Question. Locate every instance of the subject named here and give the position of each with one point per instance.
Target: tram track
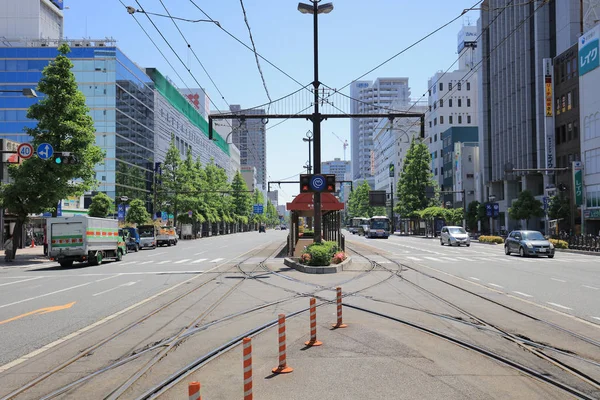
(479, 323)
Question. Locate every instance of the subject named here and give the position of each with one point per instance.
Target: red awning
(304, 202)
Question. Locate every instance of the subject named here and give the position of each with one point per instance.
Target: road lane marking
(463, 259)
(202, 252)
(46, 294)
(128, 263)
(44, 310)
(598, 318)
(199, 260)
(181, 261)
(559, 306)
(449, 259)
(434, 259)
(164, 262)
(558, 280)
(116, 287)
(222, 247)
(156, 254)
(216, 260)
(498, 286)
(146, 262)
(24, 280)
(414, 258)
(523, 294)
(105, 279)
(590, 287)
(475, 279)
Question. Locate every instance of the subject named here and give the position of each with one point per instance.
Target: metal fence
(581, 242)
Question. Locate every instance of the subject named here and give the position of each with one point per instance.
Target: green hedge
(320, 254)
(491, 239)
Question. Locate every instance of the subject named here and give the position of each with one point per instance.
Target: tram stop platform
(372, 358)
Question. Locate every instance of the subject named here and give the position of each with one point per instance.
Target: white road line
(463, 259)
(498, 286)
(202, 252)
(523, 294)
(24, 280)
(46, 294)
(222, 247)
(128, 263)
(590, 287)
(146, 262)
(558, 280)
(558, 305)
(450, 259)
(164, 262)
(199, 260)
(434, 259)
(156, 254)
(475, 279)
(596, 318)
(414, 258)
(116, 287)
(181, 261)
(105, 279)
(216, 260)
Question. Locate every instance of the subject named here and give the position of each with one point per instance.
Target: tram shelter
(303, 206)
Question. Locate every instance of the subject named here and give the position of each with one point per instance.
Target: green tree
(63, 122)
(242, 200)
(101, 206)
(216, 201)
(271, 215)
(258, 198)
(525, 207)
(473, 215)
(559, 207)
(137, 213)
(358, 203)
(168, 191)
(414, 178)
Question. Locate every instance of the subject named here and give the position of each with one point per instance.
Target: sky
(354, 38)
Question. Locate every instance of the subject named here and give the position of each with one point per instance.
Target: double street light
(315, 9)
(30, 93)
(309, 139)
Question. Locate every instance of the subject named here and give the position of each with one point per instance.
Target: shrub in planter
(305, 258)
(559, 244)
(339, 257)
(491, 239)
(319, 255)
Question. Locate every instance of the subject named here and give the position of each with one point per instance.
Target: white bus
(379, 226)
(356, 222)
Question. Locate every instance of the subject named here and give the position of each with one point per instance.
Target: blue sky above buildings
(354, 38)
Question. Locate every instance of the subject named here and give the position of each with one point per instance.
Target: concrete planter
(309, 269)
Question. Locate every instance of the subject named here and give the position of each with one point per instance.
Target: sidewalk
(27, 257)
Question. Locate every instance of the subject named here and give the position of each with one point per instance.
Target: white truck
(81, 238)
(166, 235)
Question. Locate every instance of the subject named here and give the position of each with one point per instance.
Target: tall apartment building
(249, 136)
(30, 20)
(452, 100)
(514, 123)
(371, 97)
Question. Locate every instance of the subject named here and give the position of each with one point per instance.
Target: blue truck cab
(133, 241)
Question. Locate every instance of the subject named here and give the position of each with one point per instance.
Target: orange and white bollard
(313, 324)
(194, 391)
(32, 243)
(339, 323)
(247, 342)
(283, 367)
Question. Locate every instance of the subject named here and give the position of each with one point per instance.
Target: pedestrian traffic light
(330, 183)
(305, 183)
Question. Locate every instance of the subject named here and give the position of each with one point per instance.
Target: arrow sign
(44, 310)
(45, 151)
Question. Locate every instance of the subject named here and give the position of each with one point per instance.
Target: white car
(454, 235)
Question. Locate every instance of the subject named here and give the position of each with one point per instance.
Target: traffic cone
(32, 243)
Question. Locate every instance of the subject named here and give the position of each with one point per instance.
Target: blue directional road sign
(45, 151)
(121, 211)
(317, 183)
(257, 209)
(488, 210)
(496, 210)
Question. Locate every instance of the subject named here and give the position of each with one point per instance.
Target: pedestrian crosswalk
(443, 259)
(185, 261)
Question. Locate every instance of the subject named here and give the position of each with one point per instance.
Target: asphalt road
(569, 282)
(43, 304)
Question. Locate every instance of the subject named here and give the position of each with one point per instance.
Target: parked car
(454, 235)
(528, 243)
(147, 236)
(261, 229)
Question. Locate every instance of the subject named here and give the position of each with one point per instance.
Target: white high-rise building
(30, 20)
(250, 137)
(452, 100)
(371, 97)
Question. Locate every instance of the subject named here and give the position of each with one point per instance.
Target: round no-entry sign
(25, 150)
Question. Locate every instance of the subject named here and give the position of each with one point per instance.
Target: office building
(371, 97)
(461, 164)
(337, 167)
(249, 136)
(30, 20)
(249, 174)
(452, 100)
(199, 99)
(273, 196)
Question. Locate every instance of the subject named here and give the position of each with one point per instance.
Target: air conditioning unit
(100, 44)
(44, 44)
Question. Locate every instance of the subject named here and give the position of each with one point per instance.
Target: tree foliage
(241, 198)
(137, 213)
(63, 121)
(358, 203)
(525, 207)
(101, 206)
(473, 215)
(559, 207)
(272, 216)
(414, 178)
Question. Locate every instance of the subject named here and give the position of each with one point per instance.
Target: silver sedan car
(454, 235)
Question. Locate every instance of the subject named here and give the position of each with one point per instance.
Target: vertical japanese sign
(458, 182)
(578, 182)
(589, 59)
(548, 121)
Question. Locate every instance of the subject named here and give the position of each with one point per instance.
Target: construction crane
(344, 143)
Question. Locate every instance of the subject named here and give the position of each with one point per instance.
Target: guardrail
(581, 242)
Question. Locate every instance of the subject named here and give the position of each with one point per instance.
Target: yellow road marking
(44, 310)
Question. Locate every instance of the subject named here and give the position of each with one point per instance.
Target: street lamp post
(27, 92)
(315, 9)
(309, 139)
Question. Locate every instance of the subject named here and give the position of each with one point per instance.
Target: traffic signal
(330, 183)
(305, 183)
(392, 170)
(65, 158)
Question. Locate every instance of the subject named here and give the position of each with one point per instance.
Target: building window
(435, 121)
(563, 133)
(441, 86)
(449, 85)
(459, 102)
(468, 85)
(434, 105)
(429, 108)
(570, 131)
(429, 92)
(468, 102)
(441, 119)
(430, 124)
(557, 134)
(468, 119)
(441, 102)
(557, 102)
(435, 138)
(470, 158)
(450, 119)
(460, 119)
(459, 86)
(575, 130)
(449, 102)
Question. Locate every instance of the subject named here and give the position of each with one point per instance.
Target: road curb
(308, 269)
